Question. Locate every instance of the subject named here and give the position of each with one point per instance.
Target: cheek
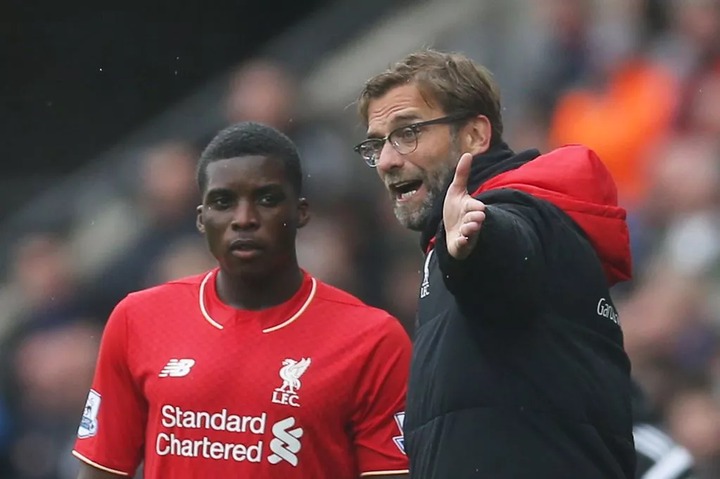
(281, 227)
(432, 154)
(213, 232)
(286, 230)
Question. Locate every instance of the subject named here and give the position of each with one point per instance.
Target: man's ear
(477, 134)
(199, 220)
(303, 212)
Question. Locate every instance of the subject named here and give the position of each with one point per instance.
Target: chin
(249, 270)
(412, 220)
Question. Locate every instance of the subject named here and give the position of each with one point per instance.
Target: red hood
(575, 180)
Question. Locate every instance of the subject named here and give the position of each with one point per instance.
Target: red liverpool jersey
(313, 388)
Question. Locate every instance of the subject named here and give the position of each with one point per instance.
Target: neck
(254, 292)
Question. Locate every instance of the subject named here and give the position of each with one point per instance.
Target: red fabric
(575, 180)
(197, 399)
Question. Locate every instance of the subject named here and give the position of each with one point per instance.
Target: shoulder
(341, 300)
(350, 312)
(172, 292)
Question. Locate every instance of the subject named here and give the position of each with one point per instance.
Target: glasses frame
(415, 127)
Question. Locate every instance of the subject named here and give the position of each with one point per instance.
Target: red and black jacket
(519, 369)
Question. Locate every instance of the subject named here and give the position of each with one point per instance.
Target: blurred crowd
(636, 80)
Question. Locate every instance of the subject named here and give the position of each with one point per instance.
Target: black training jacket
(519, 370)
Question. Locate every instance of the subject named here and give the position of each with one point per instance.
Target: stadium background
(103, 113)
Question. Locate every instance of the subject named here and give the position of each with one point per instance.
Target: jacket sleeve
(506, 267)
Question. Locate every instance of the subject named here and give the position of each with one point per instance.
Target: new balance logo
(285, 445)
(177, 368)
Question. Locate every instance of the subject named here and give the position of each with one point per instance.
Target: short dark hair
(457, 83)
(248, 139)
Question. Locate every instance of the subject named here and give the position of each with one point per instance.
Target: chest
(434, 298)
(242, 373)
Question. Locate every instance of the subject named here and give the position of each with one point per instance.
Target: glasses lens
(370, 150)
(404, 140)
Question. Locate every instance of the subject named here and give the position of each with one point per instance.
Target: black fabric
(496, 160)
(519, 370)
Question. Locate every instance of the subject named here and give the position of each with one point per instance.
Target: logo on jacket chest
(606, 310)
(425, 285)
(290, 373)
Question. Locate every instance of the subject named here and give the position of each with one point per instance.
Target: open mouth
(405, 190)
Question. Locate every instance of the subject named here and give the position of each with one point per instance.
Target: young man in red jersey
(254, 369)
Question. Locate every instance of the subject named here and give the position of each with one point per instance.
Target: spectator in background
(691, 49)
(43, 269)
(52, 290)
(265, 91)
(693, 418)
(621, 118)
(325, 247)
(565, 37)
(658, 456)
(51, 370)
(184, 257)
(165, 197)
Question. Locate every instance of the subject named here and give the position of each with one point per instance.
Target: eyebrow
(401, 118)
(262, 189)
(218, 191)
(269, 188)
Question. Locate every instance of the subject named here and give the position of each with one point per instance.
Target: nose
(389, 158)
(245, 216)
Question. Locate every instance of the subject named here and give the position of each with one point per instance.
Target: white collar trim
(292, 319)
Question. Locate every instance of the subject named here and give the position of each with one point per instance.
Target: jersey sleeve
(380, 404)
(112, 427)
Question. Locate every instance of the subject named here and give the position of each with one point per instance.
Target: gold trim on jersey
(384, 473)
(271, 329)
(202, 302)
(98, 466)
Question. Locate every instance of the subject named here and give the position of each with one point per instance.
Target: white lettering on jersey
(290, 373)
(177, 368)
(286, 444)
(173, 416)
(88, 423)
(171, 445)
(425, 286)
(176, 421)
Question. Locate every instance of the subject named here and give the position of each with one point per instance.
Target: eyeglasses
(404, 139)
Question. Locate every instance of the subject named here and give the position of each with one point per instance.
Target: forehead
(400, 104)
(243, 171)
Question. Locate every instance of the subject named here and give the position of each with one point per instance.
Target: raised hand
(463, 215)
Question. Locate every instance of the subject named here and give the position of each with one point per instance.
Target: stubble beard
(416, 217)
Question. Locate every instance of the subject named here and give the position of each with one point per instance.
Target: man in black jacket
(519, 369)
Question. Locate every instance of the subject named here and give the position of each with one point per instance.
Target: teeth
(407, 194)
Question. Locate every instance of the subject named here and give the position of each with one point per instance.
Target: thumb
(462, 173)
